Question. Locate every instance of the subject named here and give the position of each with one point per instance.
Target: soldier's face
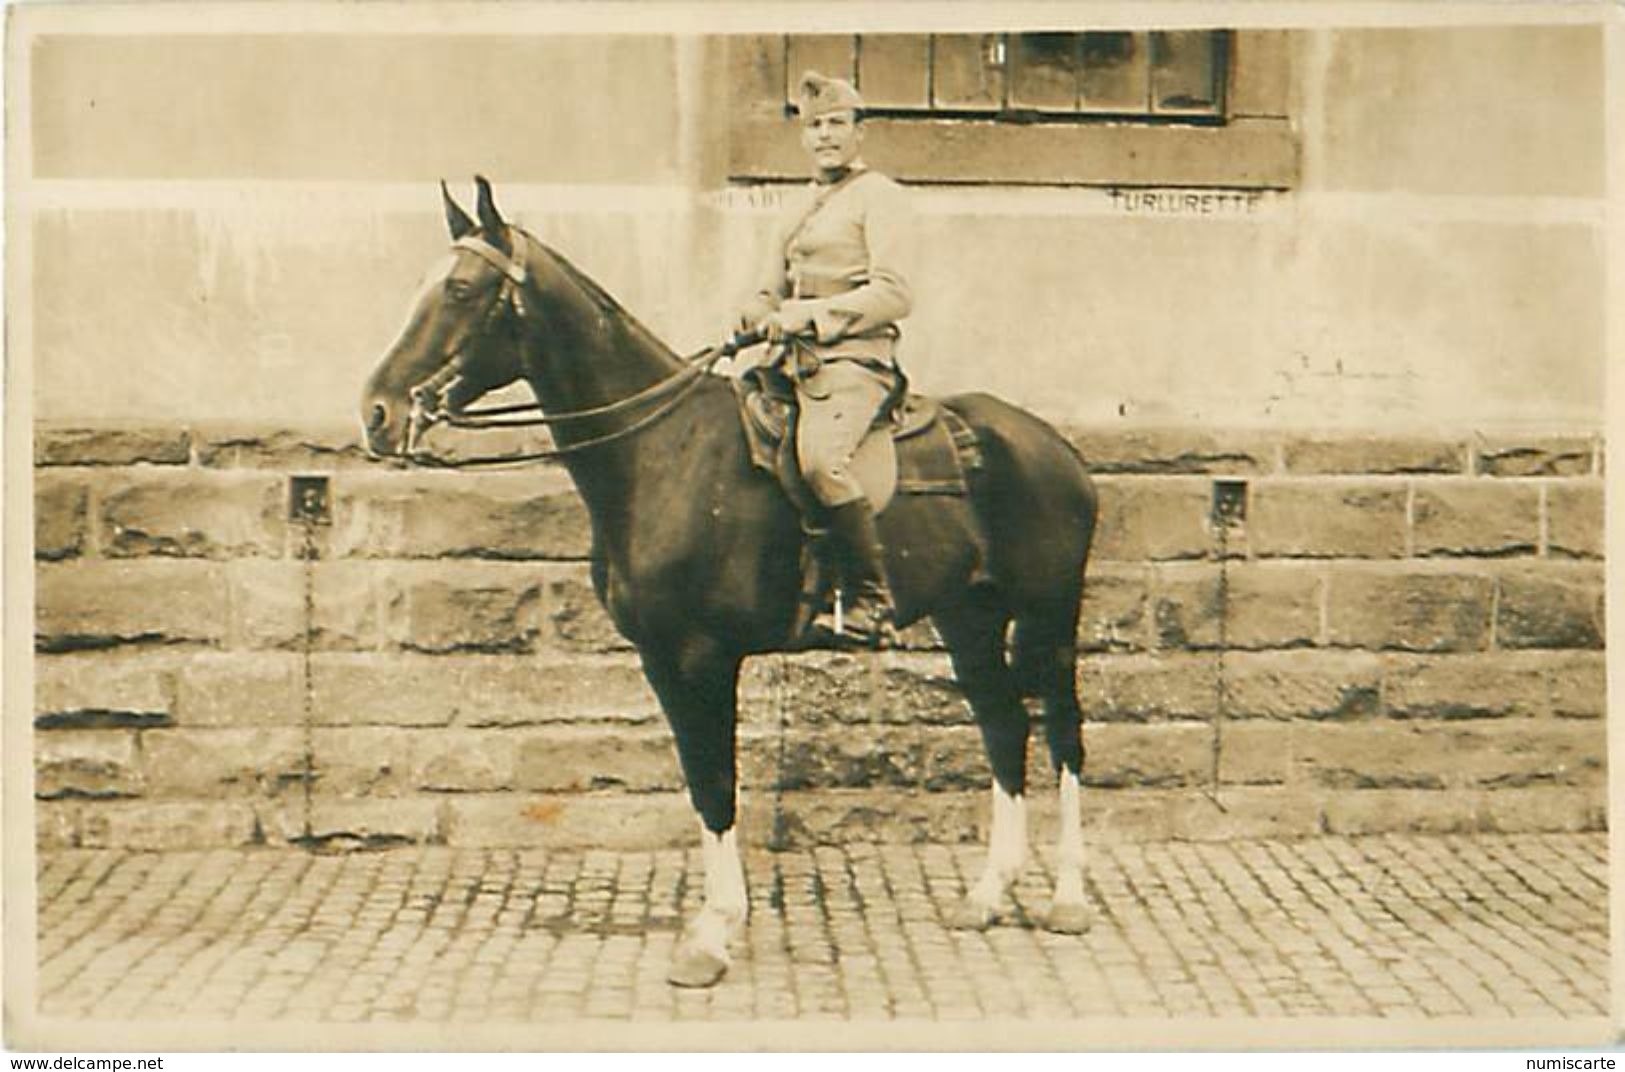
(832, 139)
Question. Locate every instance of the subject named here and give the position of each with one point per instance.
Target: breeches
(838, 405)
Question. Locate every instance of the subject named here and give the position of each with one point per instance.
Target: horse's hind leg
(1046, 655)
(975, 639)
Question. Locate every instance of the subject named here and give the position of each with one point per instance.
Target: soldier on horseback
(829, 300)
(700, 582)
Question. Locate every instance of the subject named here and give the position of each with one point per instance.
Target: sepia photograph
(804, 527)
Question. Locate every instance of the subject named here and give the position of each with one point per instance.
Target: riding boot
(869, 616)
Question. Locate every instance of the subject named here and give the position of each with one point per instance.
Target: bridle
(430, 398)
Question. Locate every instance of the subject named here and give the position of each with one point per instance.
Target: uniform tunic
(844, 263)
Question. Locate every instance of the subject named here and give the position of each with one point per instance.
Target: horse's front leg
(697, 683)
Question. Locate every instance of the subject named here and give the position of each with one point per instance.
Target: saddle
(917, 446)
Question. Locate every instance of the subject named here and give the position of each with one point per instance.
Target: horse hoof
(1069, 919)
(696, 968)
(969, 915)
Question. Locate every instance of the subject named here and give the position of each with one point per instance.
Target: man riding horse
(829, 300)
(699, 582)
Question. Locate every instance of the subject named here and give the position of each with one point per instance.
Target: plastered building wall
(247, 252)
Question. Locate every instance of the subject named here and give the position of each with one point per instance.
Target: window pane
(1184, 71)
(828, 54)
(967, 71)
(1116, 72)
(1044, 71)
(893, 70)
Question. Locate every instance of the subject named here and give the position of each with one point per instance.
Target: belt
(822, 286)
(800, 357)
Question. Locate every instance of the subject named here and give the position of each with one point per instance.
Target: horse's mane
(600, 297)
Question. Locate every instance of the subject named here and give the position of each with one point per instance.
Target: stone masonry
(1400, 635)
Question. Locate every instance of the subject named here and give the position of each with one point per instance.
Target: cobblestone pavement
(1399, 926)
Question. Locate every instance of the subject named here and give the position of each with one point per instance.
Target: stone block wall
(1399, 634)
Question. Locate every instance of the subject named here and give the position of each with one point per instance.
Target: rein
(484, 417)
(429, 407)
(679, 385)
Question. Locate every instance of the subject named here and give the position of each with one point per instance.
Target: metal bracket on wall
(1229, 503)
(309, 504)
(1228, 513)
(309, 500)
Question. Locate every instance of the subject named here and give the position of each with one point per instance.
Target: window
(1199, 108)
(1024, 77)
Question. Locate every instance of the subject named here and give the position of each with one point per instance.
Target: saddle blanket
(934, 445)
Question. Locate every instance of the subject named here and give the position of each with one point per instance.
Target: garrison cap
(817, 94)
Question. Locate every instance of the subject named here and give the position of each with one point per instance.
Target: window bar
(1150, 44)
(1001, 56)
(1077, 73)
(784, 65)
(994, 63)
(930, 72)
(1220, 41)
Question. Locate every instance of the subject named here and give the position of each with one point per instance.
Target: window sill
(1245, 153)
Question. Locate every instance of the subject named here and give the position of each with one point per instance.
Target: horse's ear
(456, 219)
(492, 228)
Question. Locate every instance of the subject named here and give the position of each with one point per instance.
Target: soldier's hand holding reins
(742, 340)
(786, 321)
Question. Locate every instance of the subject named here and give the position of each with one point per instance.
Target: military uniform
(839, 263)
(839, 258)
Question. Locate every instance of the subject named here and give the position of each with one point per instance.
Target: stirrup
(872, 629)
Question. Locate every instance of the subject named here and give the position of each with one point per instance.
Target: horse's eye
(459, 289)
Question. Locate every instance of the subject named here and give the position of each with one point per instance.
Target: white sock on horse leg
(1006, 848)
(724, 873)
(1069, 844)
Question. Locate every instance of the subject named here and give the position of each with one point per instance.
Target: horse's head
(462, 338)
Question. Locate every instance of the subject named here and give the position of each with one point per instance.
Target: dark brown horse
(696, 554)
